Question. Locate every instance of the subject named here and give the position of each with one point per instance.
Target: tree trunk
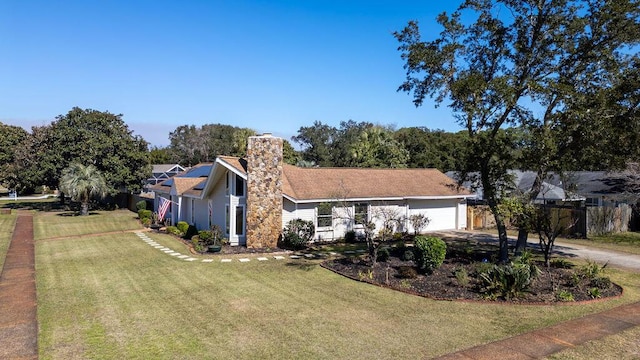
(521, 244)
(84, 209)
(504, 240)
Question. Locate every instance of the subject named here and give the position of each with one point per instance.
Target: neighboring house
(599, 197)
(252, 199)
(162, 172)
(595, 188)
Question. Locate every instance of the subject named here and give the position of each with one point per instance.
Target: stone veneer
(264, 191)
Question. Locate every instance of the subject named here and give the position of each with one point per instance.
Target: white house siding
(443, 214)
(462, 215)
(288, 211)
(379, 212)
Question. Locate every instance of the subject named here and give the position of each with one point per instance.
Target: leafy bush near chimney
(297, 234)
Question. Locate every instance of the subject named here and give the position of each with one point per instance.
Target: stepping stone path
(178, 255)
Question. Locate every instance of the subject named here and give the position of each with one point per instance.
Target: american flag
(163, 206)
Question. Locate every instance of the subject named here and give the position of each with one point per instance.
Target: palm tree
(83, 182)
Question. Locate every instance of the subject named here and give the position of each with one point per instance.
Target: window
(592, 201)
(361, 213)
(325, 216)
(226, 176)
(239, 186)
(239, 220)
(227, 219)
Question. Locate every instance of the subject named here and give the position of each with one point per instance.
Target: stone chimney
(264, 191)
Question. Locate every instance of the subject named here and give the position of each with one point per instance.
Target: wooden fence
(574, 221)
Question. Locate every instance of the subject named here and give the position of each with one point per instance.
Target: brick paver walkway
(18, 321)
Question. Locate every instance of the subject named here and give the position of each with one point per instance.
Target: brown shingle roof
(357, 183)
(346, 183)
(183, 184)
(237, 163)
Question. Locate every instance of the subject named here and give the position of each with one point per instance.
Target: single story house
(252, 199)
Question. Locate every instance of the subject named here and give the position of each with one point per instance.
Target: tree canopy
(540, 65)
(86, 136)
(191, 144)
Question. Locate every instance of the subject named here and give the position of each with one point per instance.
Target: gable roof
(368, 183)
(163, 168)
(321, 184)
(185, 181)
(573, 186)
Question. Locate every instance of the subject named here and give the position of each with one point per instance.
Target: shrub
(191, 232)
(407, 272)
(383, 254)
(297, 234)
(429, 253)
(462, 276)
(141, 205)
(561, 264)
(350, 237)
(197, 244)
(482, 267)
(144, 214)
(408, 255)
(601, 282)
(592, 270)
(507, 281)
(183, 226)
(594, 293)
(564, 295)
(146, 222)
(174, 230)
(206, 237)
(419, 222)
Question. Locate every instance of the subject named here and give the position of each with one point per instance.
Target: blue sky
(268, 65)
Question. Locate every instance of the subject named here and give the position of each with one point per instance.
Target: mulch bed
(443, 284)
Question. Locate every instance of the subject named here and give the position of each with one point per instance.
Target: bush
(564, 295)
(383, 254)
(183, 226)
(561, 264)
(429, 253)
(191, 232)
(297, 234)
(141, 205)
(197, 244)
(601, 282)
(407, 272)
(350, 237)
(462, 276)
(174, 230)
(206, 237)
(144, 214)
(507, 281)
(408, 255)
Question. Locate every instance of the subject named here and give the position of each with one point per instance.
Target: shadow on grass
(75, 213)
(302, 266)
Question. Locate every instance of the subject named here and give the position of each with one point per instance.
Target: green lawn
(113, 296)
(7, 223)
(622, 346)
(59, 224)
